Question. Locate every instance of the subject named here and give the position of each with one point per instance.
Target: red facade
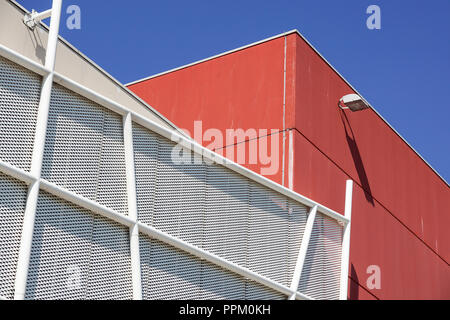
(400, 205)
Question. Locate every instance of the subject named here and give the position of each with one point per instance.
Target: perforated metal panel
(146, 146)
(321, 271)
(84, 149)
(227, 215)
(298, 215)
(12, 207)
(217, 209)
(269, 234)
(19, 99)
(77, 255)
(169, 273)
(178, 189)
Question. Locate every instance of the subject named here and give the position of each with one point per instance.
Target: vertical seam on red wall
(291, 109)
(284, 114)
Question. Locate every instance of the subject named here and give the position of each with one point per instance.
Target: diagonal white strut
(303, 250)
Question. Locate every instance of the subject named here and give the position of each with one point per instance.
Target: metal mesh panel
(256, 291)
(19, 100)
(321, 271)
(12, 206)
(268, 235)
(169, 273)
(178, 189)
(77, 255)
(227, 215)
(217, 209)
(298, 215)
(145, 145)
(84, 149)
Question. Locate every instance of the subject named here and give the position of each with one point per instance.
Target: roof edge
(214, 57)
(117, 82)
(322, 57)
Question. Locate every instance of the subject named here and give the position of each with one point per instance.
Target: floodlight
(352, 102)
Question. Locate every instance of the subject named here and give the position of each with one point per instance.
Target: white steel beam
(16, 173)
(23, 61)
(346, 242)
(37, 157)
(303, 250)
(132, 206)
(85, 203)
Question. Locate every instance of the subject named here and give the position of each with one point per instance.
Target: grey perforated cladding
(217, 209)
(19, 99)
(84, 149)
(77, 255)
(321, 271)
(169, 273)
(177, 190)
(12, 207)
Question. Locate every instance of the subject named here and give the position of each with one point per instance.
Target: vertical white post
(346, 241)
(132, 206)
(37, 157)
(302, 252)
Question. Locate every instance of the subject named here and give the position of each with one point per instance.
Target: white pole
(37, 157)
(303, 250)
(346, 241)
(132, 206)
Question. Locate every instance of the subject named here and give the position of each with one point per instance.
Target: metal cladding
(117, 218)
(400, 204)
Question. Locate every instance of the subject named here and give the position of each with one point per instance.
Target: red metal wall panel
(409, 269)
(400, 206)
(239, 90)
(371, 153)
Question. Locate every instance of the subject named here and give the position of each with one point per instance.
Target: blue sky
(403, 70)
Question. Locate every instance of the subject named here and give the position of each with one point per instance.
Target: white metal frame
(35, 182)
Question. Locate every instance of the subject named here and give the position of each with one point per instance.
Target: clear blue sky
(403, 70)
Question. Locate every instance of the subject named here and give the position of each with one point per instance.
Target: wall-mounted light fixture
(352, 102)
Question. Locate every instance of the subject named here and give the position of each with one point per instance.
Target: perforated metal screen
(20, 90)
(78, 253)
(13, 195)
(320, 276)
